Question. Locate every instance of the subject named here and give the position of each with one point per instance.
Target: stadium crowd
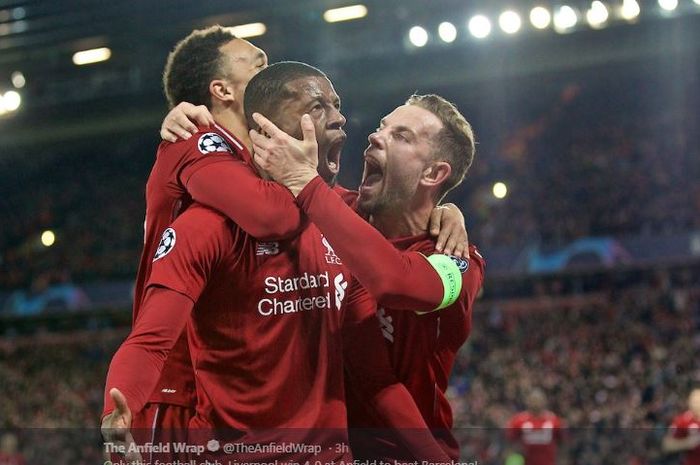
(616, 367)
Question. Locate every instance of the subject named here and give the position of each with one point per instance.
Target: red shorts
(162, 425)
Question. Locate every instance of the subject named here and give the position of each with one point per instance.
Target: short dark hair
(267, 88)
(193, 64)
(454, 143)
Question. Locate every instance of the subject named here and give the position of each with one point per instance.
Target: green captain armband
(451, 278)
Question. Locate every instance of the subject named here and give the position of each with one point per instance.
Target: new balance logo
(267, 248)
(340, 286)
(386, 323)
(331, 257)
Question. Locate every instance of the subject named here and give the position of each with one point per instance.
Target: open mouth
(373, 172)
(333, 155)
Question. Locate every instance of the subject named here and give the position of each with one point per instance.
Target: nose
(375, 139)
(336, 119)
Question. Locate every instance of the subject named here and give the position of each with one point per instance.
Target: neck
(410, 220)
(235, 124)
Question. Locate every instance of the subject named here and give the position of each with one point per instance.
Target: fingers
(120, 404)
(308, 129)
(259, 140)
(442, 238)
(168, 135)
(451, 245)
(202, 116)
(267, 126)
(435, 220)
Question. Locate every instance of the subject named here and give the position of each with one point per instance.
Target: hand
(287, 160)
(115, 427)
(447, 224)
(179, 124)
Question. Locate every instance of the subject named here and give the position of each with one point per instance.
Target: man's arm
(136, 367)
(220, 180)
(397, 279)
(369, 373)
(401, 280)
(264, 209)
(180, 273)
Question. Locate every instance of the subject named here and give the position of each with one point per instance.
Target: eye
(400, 136)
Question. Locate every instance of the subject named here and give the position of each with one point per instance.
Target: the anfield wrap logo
(330, 294)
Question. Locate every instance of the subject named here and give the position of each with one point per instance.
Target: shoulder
(207, 141)
(200, 220)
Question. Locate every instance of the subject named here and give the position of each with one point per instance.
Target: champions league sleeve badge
(166, 244)
(461, 263)
(212, 142)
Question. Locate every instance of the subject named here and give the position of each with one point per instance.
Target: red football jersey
(684, 425)
(422, 349)
(224, 165)
(265, 330)
(539, 435)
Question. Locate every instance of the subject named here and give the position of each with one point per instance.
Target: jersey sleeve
(396, 279)
(370, 375)
(137, 364)
(187, 253)
(223, 180)
(189, 250)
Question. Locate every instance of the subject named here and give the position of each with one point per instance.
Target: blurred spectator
(9, 452)
(47, 295)
(537, 430)
(684, 435)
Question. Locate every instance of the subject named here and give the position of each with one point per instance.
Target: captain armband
(451, 277)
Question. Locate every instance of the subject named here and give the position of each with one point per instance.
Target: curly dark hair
(193, 64)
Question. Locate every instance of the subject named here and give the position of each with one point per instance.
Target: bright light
(11, 100)
(510, 22)
(479, 26)
(565, 18)
(629, 10)
(447, 32)
(597, 15)
(500, 190)
(697, 2)
(540, 17)
(3, 110)
(18, 80)
(94, 55)
(244, 31)
(346, 13)
(668, 5)
(418, 36)
(48, 238)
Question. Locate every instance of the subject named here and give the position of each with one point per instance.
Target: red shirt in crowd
(539, 435)
(684, 425)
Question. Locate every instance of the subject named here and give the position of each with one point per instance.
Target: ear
(435, 174)
(221, 90)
